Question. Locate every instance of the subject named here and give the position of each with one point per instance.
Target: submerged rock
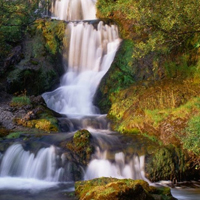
(119, 189)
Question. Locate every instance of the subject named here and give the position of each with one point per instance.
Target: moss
(20, 101)
(167, 163)
(53, 33)
(81, 147)
(112, 188)
(120, 76)
(38, 117)
(14, 135)
(166, 103)
(191, 139)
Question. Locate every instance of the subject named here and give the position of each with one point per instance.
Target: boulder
(119, 189)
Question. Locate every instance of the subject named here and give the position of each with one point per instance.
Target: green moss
(53, 33)
(81, 147)
(14, 135)
(20, 101)
(112, 188)
(191, 140)
(162, 165)
(167, 163)
(119, 76)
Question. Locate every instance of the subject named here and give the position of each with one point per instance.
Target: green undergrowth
(119, 76)
(53, 33)
(169, 111)
(168, 163)
(191, 138)
(20, 101)
(14, 135)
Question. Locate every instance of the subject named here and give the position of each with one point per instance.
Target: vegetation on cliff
(15, 17)
(160, 95)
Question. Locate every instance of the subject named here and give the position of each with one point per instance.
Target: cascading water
(20, 163)
(134, 169)
(72, 10)
(91, 52)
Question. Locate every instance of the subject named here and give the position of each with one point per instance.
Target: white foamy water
(72, 10)
(30, 184)
(17, 162)
(102, 167)
(90, 54)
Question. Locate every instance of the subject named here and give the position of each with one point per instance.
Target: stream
(40, 169)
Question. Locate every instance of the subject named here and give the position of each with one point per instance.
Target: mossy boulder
(31, 112)
(119, 189)
(167, 163)
(41, 65)
(81, 147)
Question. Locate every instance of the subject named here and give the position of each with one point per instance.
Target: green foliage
(38, 46)
(191, 140)
(53, 33)
(167, 163)
(20, 101)
(180, 67)
(121, 74)
(34, 81)
(15, 17)
(162, 165)
(157, 25)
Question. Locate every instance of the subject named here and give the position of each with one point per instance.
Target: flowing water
(41, 170)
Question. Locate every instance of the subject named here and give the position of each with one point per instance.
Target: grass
(20, 101)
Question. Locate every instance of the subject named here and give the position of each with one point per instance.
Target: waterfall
(118, 168)
(72, 10)
(90, 54)
(17, 162)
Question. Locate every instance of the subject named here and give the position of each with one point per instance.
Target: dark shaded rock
(13, 58)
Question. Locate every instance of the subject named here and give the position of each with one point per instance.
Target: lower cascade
(50, 166)
(20, 163)
(134, 169)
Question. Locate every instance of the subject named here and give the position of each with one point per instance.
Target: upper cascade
(88, 52)
(88, 57)
(73, 10)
